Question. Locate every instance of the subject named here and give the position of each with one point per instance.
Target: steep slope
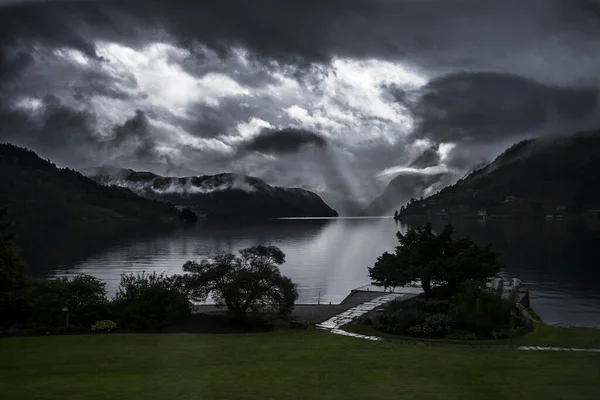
(47, 202)
(534, 177)
(407, 184)
(400, 190)
(221, 196)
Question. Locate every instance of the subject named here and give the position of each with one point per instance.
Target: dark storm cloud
(544, 55)
(434, 34)
(239, 65)
(134, 138)
(51, 23)
(284, 141)
(54, 130)
(208, 121)
(11, 62)
(479, 107)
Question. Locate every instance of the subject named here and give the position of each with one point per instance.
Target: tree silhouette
(249, 282)
(13, 276)
(433, 260)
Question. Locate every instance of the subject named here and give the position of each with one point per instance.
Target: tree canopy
(13, 276)
(248, 282)
(434, 259)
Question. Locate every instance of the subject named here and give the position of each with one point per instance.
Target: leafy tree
(249, 282)
(434, 260)
(149, 301)
(84, 295)
(13, 277)
(396, 214)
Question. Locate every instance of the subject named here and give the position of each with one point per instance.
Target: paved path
(335, 323)
(347, 316)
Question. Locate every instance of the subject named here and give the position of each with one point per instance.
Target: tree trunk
(426, 285)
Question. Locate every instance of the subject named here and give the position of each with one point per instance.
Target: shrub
(83, 295)
(501, 333)
(428, 306)
(437, 306)
(480, 324)
(104, 326)
(150, 301)
(480, 311)
(366, 319)
(13, 277)
(461, 335)
(417, 302)
(434, 326)
(399, 321)
(398, 305)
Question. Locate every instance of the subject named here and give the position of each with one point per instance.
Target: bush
(150, 301)
(399, 305)
(437, 306)
(480, 311)
(365, 319)
(461, 335)
(104, 326)
(478, 323)
(428, 306)
(434, 326)
(399, 321)
(83, 295)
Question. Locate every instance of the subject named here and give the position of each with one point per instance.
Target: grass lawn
(543, 335)
(283, 364)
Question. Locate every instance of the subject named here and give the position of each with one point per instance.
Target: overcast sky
(337, 96)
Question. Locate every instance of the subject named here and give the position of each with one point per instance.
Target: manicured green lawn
(543, 335)
(282, 365)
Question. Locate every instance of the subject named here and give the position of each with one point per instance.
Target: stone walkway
(347, 316)
(334, 324)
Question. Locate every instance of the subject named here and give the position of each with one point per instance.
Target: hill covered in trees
(399, 190)
(47, 202)
(219, 196)
(538, 177)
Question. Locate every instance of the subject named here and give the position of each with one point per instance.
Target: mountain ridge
(224, 195)
(543, 177)
(46, 200)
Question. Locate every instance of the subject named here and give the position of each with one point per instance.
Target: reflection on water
(329, 257)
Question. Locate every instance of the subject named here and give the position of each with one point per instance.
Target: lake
(327, 258)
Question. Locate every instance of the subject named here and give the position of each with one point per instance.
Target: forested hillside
(46, 201)
(550, 176)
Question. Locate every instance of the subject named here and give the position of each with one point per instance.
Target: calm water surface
(329, 257)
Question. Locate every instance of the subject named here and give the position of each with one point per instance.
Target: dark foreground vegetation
(250, 286)
(457, 302)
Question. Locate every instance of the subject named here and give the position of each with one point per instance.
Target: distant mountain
(407, 184)
(47, 202)
(541, 177)
(400, 190)
(220, 196)
(156, 168)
